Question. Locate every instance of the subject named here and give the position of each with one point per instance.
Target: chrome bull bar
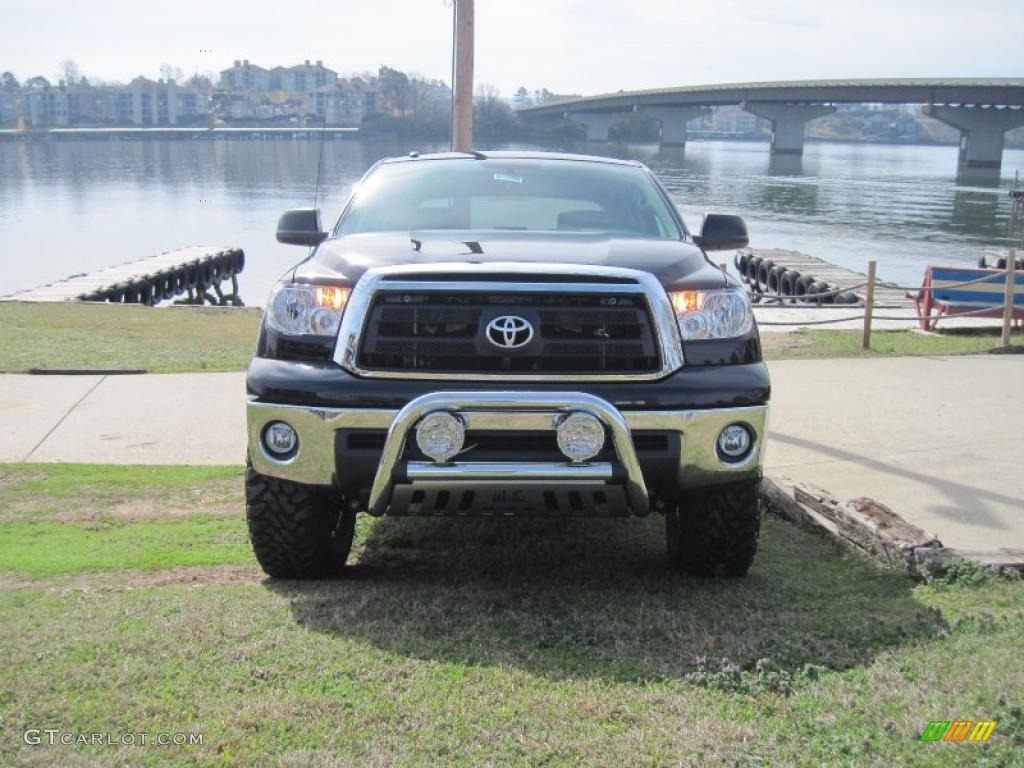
(513, 411)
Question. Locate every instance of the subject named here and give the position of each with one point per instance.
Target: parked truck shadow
(594, 598)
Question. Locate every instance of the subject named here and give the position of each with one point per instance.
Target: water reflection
(785, 165)
(979, 177)
(105, 202)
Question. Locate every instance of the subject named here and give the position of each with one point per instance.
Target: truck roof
(511, 154)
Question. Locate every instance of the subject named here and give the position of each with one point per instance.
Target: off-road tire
(713, 531)
(297, 531)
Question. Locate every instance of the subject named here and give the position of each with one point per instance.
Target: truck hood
(675, 263)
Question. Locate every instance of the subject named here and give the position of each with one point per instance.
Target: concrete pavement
(937, 439)
(940, 440)
(171, 418)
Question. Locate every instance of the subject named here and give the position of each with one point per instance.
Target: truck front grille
(439, 332)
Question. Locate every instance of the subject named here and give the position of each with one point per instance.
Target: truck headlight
(297, 309)
(715, 314)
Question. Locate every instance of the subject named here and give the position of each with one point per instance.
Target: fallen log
(863, 525)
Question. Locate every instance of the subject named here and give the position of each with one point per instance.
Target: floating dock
(192, 272)
(780, 276)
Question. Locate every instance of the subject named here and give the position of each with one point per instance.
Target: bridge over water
(982, 109)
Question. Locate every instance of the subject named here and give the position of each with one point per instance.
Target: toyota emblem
(509, 332)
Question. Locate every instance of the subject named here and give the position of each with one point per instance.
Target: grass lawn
(474, 642)
(164, 340)
(810, 343)
(182, 339)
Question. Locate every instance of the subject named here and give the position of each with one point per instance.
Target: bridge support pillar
(597, 123)
(982, 130)
(788, 122)
(673, 122)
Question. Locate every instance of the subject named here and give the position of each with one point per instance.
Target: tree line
(409, 104)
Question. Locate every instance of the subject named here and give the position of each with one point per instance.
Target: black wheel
(753, 265)
(787, 284)
(297, 531)
(815, 291)
(740, 261)
(763, 270)
(713, 531)
(802, 287)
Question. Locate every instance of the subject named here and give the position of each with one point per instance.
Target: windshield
(510, 194)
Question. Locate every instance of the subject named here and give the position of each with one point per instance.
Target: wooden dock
(775, 275)
(191, 272)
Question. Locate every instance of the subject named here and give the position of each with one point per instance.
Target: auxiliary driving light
(734, 442)
(580, 436)
(280, 439)
(440, 435)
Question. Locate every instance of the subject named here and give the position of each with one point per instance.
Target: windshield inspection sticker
(506, 177)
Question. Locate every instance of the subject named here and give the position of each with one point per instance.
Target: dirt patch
(123, 581)
(9, 479)
(220, 498)
(774, 341)
(148, 509)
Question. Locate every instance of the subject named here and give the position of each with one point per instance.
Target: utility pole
(462, 87)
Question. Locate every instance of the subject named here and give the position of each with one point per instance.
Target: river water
(73, 206)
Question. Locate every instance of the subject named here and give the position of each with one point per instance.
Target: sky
(566, 46)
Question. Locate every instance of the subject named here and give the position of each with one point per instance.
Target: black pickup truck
(506, 333)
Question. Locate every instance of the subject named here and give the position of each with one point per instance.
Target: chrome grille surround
(420, 278)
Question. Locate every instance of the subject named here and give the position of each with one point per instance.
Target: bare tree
(487, 93)
(68, 72)
(202, 81)
(171, 72)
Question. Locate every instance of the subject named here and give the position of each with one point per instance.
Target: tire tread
(714, 531)
(295, 530)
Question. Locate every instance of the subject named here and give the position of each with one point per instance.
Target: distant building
(148, 102)
(244, 76)
(344, 103)
(8, 108)
(302, 77)
(732, 119)
(254, 106)
(58, 106)
(45, 107)
(118, 106)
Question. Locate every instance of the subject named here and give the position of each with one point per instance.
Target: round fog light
(440, 435)
(734, 442)
(279, 438)
(580, 436)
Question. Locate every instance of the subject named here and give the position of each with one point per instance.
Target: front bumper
(398, 484)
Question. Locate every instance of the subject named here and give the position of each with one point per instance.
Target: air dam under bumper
(397, 480)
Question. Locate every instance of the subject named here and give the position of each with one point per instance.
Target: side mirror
(300, 226)
(720, 232)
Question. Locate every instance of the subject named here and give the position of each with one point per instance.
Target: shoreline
(173, 132)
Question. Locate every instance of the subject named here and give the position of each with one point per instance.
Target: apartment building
(347, 102)
(8, 109)
(302, 77)
(142, 102)
(244, 76)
